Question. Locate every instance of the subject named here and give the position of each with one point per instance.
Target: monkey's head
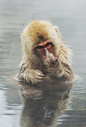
(38, 36)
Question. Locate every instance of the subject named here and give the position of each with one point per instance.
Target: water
(70, 16)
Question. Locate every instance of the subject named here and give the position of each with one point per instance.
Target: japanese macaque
(45, 57)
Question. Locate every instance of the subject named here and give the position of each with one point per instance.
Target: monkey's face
(43, 32)
(42, 47)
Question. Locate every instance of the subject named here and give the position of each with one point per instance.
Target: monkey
(46, 58)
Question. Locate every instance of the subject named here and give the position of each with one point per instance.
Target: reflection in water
(42, 107)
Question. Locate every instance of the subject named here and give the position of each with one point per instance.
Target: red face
(40, 48)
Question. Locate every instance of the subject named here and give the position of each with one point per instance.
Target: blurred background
(70, 17)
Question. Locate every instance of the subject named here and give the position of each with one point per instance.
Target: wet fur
(33, 68)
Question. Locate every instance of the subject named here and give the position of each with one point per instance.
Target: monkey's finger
(40, 75)
(52, 57)
(39, 78)
(47, 53)
(37, 71)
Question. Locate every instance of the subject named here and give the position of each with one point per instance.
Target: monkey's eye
(39, 48)
(48, 45)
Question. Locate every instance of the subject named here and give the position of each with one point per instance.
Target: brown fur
(33, 68)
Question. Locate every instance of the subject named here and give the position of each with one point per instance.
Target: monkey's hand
(53, 65)
(30, 75)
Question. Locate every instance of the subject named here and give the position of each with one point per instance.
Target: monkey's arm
(67, 74)
(30, 75)
(62, 71)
